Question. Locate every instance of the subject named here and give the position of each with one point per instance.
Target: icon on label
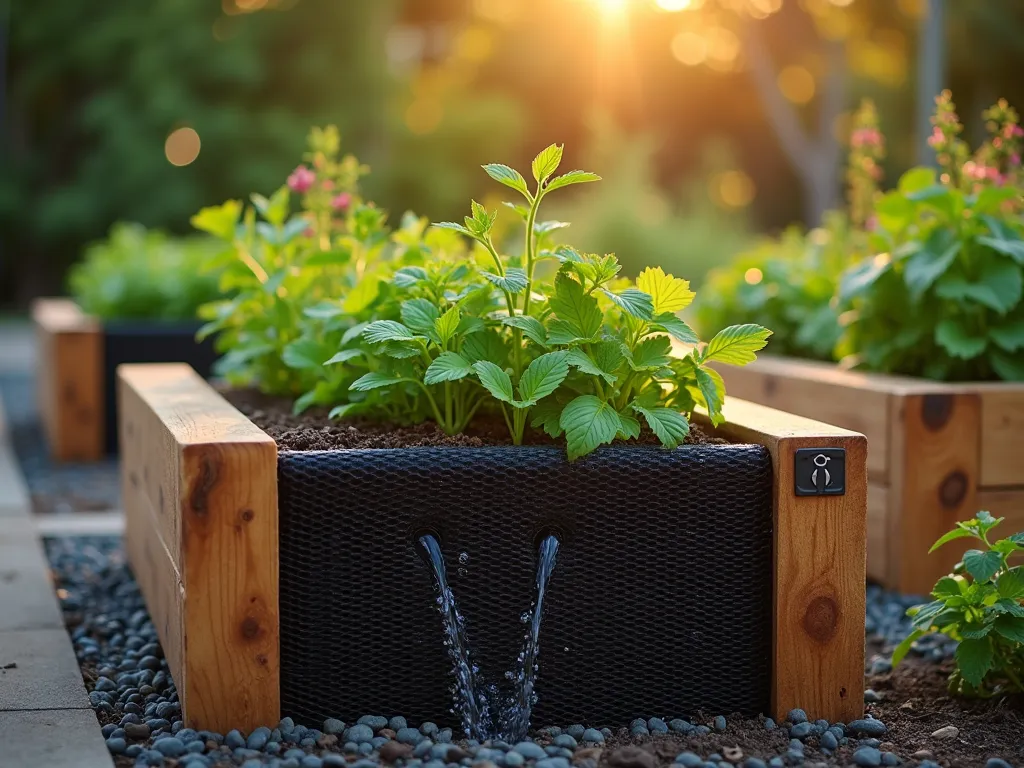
(823, 478)
(820, 472)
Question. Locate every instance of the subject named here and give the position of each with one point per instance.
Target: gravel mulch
(911, 720)
(56, 488)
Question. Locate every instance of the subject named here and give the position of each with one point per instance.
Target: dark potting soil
(313, 431)
(116, 644)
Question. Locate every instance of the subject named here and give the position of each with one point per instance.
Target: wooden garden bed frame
(938, 454)
(70, 379)
(200, 498)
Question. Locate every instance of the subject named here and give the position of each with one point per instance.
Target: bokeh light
(732, 189)
(674, 5)
(753, 276)
(797, 84)
(182, 146)
(423, 115)
(690, 48)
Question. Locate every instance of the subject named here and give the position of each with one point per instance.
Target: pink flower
(936, 138)
(1015, 159)
(301, 179)
(327, 185)
(342, 201)
(866, 137)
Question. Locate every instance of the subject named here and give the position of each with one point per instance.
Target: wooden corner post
(70, 349)
(819, 566)
(199, 483)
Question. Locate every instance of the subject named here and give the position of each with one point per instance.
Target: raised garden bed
(938, 453)
(269, 574)
(78, 357)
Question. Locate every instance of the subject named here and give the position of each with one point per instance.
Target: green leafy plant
(943, 296)
(981, 605)
(140, 274)
(548, 337)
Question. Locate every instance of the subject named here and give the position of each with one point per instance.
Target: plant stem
(449, 423)
(508, 423)
(531, 245)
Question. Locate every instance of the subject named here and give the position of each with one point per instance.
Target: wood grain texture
(70, 379)
(1008, 503)
(200, 493)
(935, 441)
(854, 401)
(1002, 436)
(819, 554)
(878, 533)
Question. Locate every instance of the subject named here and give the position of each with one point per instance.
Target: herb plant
(548, 337)
(982, 606)
(140, 274)
(943, 297)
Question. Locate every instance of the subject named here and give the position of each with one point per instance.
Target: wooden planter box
(78, 357)
(938, 454)
(218, 524)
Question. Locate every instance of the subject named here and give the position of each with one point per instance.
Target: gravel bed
(132, 692)
(56, 488)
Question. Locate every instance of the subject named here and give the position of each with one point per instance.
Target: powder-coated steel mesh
(148, 342)
(660, 602)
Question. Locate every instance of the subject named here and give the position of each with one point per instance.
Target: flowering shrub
(142, 274)
(942, 297)
(982, 606)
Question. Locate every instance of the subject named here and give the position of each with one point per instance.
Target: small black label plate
(820, 472)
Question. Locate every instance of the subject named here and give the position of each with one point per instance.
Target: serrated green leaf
(546, 415)
(494, 379)
(903, 648)
(447, 324)
(633, 301)
(324, 310)
(1009, 367)
(448, 366)
(547, 162)
(712, 392)
(861, 276)
(1010, 584)
(974, 657)
(629, 428)
(588, 422)
(651, 354)
(948, 586)
(343, 356)
(387, 330)
(668, 293)
(374, 380)
(339, 411)
(675, 327)
(956, 533)
(507, 176)
(578, 314)
(975, 631)
(303, 354)
(931, 261)
(572, 177)
(363, 295)
(952, 337)
(982, 565)
(1008, 606)
(419, 315)
(1003, 240)
(531, 327)
(1010, 627)
(579, 359)
(454, 226)
(219, 220)
(543, 376)
(400, 350)
(1009, 335)
(1017, 538)
(998, 287)
(486, 345)
(670, 426)
(514, 280)
(407, 277)
(737, 344)
(544, 227)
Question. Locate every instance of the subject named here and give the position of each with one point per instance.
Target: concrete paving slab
(27, 599)
(52, 739)
(81, 524)
(38, 670)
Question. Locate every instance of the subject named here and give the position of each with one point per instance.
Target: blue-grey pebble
(333, 760)
(871, 696)
(295, 752)
(252, 762)
(553, 762)
(997, 762)
(769, 724)
(409, 736)
(593, 736)
(702, 730)
(196, 746)
(234, 739)
(552, 750)
(380, 741)
(444, 735)
(423, 748)
(869, 743)
(796, 716)
(376, 722)
(719, 723)
(309, 741)
(576, 731)
(364, 763)
(881, 666)
(638, 721)
(311, 761)
(428, 728)
(360, 734)
(754, 762)
(866, 727)
(170, 747)
(639, 730)
(678, 725)
(397, 723)
(287, 725)
(116, 745)
(512, 759)
(867, 757)
(890, 759)
(801, 730)
(568, 742)
(332, 726)
(530, 750)
(689, 760)
(366, 748)
(714, 757)
(107, 729)
(657, 725)
(776, 762)
(828, 740)
(258, 738)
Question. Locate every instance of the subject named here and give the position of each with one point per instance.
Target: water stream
(473, 699)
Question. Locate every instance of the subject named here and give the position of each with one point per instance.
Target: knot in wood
(936, 411)
(953, 489)
(203, 484)
(250, 628)
(821, 618)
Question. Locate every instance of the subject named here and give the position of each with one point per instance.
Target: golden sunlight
(612, 7)
(673, 5)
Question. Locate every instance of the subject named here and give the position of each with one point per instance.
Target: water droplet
(464, 557)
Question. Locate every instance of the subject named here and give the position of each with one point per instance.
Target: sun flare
(612, 7)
